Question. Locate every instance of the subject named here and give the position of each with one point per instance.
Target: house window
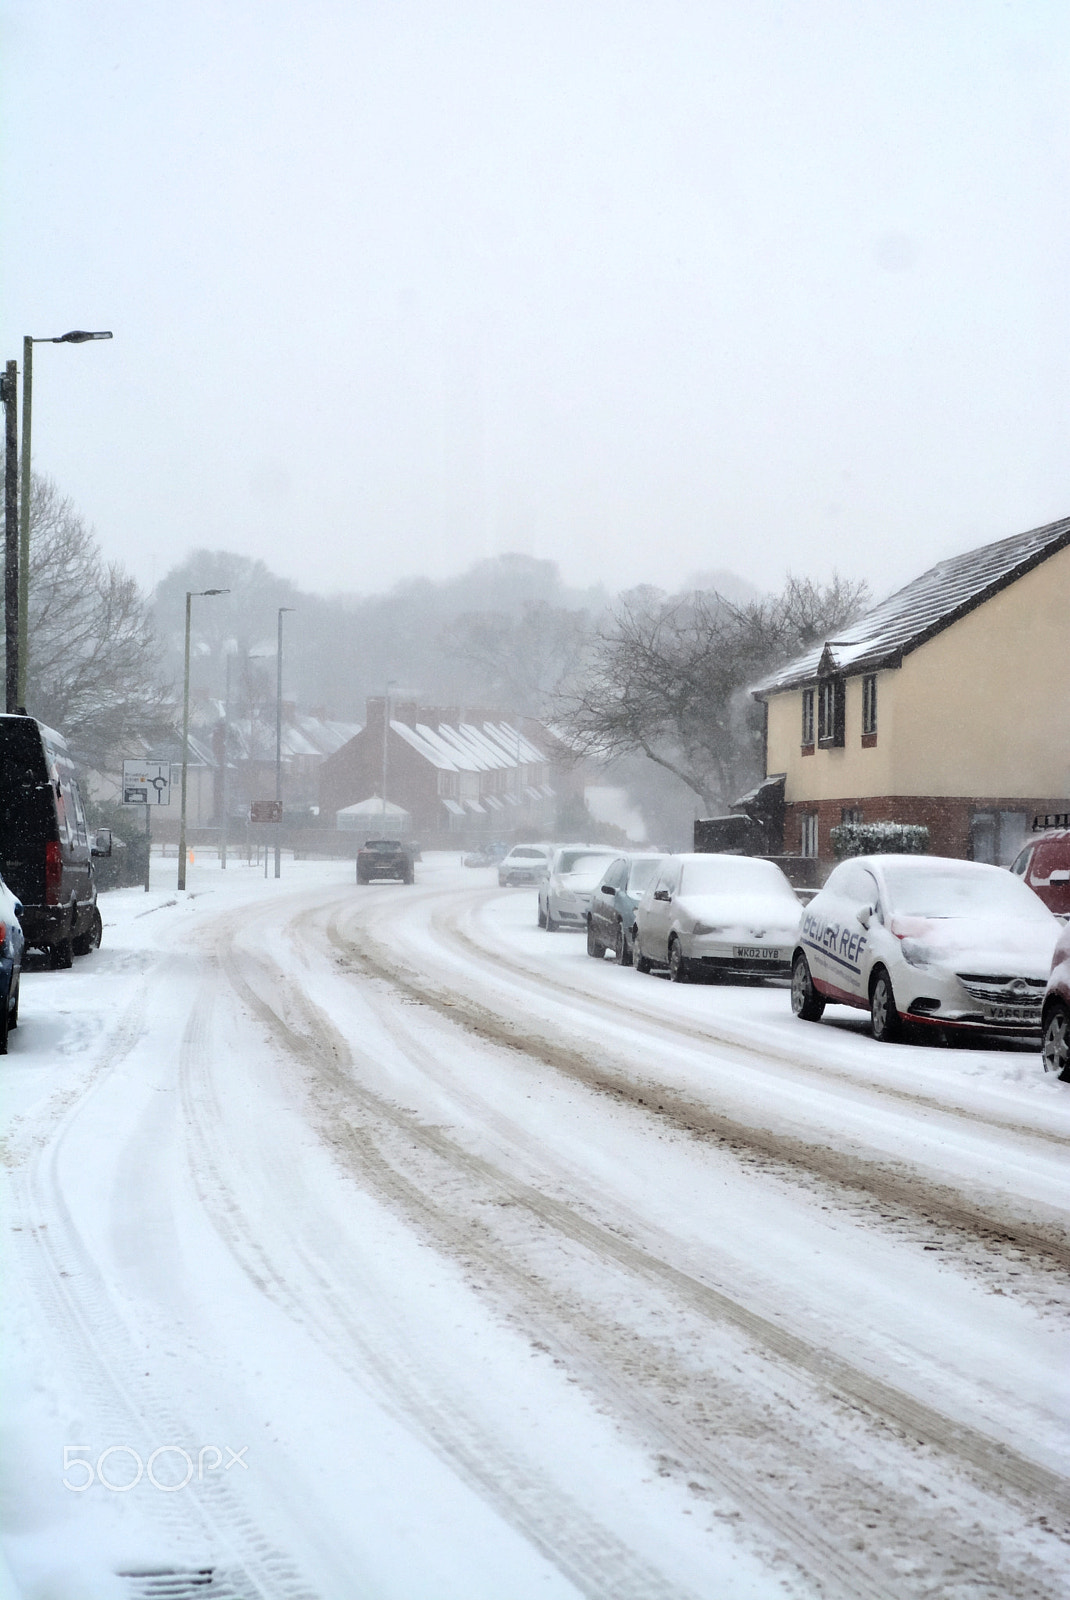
(808, 833)
(869, 706)
(830, 712)
(808, 719)
(851, 814)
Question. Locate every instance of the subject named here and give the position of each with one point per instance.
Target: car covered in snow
(575, 872)
(924, 944)
(11, 948)
(717, 916)
(1044, 864)
(385, 858)
(1055, 1018)
(525, 863)
(611, 917)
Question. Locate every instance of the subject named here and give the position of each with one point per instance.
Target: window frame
(869, 709)
(830, 713)
(808, 725)
(809, 837)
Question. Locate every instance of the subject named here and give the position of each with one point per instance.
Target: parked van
(46, 855)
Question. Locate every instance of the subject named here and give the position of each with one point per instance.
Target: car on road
(12, 944)
(575, 872)
(611, 917)
(46, 851)
(925, 944)
(525, 863)
(1055, 1015)
(717, 916)
(384, 858)
(1044, 864)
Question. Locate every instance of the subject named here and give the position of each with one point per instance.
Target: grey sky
(640, 288)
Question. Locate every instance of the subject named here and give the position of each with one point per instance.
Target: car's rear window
(527, 855)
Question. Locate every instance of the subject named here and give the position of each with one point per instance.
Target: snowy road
(447, 1262)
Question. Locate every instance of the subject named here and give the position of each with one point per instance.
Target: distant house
(948, 704)
(458, 775)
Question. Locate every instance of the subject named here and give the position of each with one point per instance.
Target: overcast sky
(642, 288)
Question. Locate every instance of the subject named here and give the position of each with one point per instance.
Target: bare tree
(669, 678)
(517, 661)
(92, 668)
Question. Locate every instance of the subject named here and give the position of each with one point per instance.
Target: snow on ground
(459, 1264)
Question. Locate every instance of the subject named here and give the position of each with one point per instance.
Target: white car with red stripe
(925, 943)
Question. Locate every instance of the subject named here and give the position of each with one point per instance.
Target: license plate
(1013, 1014)
(755, 952)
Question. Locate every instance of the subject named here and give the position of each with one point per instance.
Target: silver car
(717, 916)
(575, 873)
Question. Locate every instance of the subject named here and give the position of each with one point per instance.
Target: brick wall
(947, 818)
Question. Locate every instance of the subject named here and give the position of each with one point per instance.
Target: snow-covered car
(925, 943)
(1055, 1018)
(525, 863)
(709, 915)
(1044, 864)
(611, 917)
(575, 872)
(12, 945)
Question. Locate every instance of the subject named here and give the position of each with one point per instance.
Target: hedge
(879, 839)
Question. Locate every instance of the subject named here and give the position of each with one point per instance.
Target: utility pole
(11, 535)
(278, 750)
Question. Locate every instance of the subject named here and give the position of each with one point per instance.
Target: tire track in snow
(591, 1556)
(879, 1181)
(319, 1046)
(80, 1321)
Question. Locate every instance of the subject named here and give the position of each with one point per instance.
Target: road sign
(265, 811)
(146, 783)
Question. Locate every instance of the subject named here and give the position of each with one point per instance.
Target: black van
(46, 856)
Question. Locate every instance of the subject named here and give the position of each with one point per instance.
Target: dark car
(1055, 1017)
(384, 858)
(46, 854)
(1044, 864)
(611, 917)
(11, 947)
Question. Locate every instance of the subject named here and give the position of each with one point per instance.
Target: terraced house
(948, 705)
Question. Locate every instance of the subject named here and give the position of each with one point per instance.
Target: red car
(1055, 1017)
(1044, 864)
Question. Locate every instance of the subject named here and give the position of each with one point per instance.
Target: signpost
(266, 812)
(148, 784)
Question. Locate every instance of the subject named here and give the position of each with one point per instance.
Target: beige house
(948, 705)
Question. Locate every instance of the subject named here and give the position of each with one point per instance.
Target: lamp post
(190, 593)
(76, 336)
(278, 746)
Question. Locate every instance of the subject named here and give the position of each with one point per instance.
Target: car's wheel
(13, 1014)
(805, 1000)
(5, 1023)
(594, 948)
(542, 916)
(640, 962)
(551, 924)
(622, 949)
(679, 969)
(61, 956)
(887, 1025)
(88, 941)
(1056, 1046)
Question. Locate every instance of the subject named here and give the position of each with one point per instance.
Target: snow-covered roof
(468, 748)
(924, 608)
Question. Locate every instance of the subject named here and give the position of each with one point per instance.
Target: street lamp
(190, 593)
(76, 336)
(278, 747)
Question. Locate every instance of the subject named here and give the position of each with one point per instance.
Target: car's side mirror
(102, 842)
(607, 888)
(662, 894)
(865, 915)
